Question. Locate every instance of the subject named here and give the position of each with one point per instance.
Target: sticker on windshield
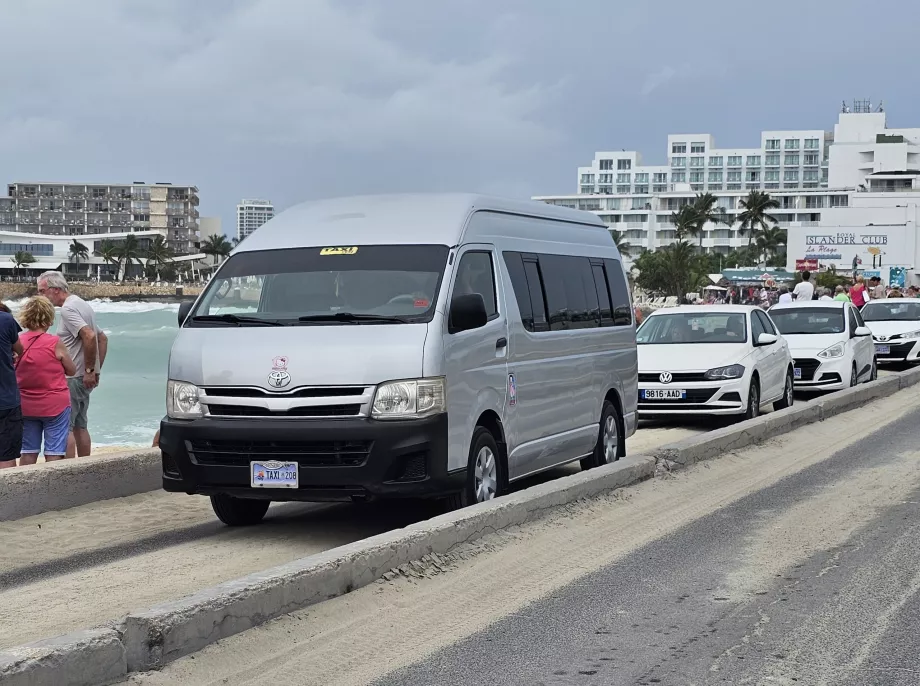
(339, 251)
(421, 302)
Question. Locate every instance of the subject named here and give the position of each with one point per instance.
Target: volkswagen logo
(279, 379)
(665, 377)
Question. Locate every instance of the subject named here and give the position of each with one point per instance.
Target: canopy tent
(714, 288)
(757, 276)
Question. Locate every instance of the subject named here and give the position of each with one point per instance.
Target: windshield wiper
(235, 319)
(350, 317)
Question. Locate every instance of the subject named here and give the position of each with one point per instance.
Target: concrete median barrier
(47, 486)
(909, 378)
(151, 638)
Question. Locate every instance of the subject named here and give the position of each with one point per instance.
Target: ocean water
(131, 399)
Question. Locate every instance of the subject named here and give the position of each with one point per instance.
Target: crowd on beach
(46, 379)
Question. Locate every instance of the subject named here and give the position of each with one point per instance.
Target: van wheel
(485, 472)
(788, 394)
(238, 511)
(611, 444)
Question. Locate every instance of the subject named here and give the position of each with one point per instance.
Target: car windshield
(686, 327)
(808, 320)
(895, 311)
(369, 284)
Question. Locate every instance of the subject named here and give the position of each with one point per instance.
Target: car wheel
(238, 511)
(611, 445)
(753, 406)
(788, 394)
(485, 475)
(873, 375)
(854, 376)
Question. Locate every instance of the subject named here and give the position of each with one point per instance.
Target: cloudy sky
(298, 99)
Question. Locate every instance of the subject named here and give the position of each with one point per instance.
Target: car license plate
(665, 394)
(796, 373)
(273, 474)
(883, 350)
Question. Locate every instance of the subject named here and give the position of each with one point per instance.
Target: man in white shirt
(825, 295)
(805, 289)
(784, 295)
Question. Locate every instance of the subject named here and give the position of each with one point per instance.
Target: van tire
(239, 511)
(609, 432)
(479, 465)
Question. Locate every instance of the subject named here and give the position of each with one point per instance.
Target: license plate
(666, 394)
(883, 350)
(274, 474)
(796, 373)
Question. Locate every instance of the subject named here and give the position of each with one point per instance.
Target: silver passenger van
(401, 346)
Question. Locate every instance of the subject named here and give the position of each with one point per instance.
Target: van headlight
(183, 400)
(409, 399)
(836, 350)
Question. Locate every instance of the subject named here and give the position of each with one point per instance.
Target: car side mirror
(184, 310)
(862, 331)
(767, 339)
(467, 312)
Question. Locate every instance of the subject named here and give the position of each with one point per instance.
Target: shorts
(54, 429)
(10, 434)
(79, 402)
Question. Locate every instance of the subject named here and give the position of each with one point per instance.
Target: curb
(59, 485)
(152, 638)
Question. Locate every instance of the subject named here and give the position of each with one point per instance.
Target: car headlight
(734, 371)
(911, 334)
(409, 399)
(836, 350)
(183, 400)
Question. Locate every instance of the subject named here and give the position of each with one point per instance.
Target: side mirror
(862, 331)
(467, 312)
(184, 309)
(767, 339)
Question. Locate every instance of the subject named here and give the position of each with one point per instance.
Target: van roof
(398, 219)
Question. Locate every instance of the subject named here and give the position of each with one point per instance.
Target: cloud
(657, 79)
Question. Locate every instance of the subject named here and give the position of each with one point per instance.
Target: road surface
(91, 564)
(794, 562)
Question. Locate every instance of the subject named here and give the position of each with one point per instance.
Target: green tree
(21, 259)
(684, 221)
(706, 211)
(673, 270)
(755, 215)
(108, 251)
(158, 255)
(769, 241)
(128, 252)
(77, 251)
(216, 246)
(622, 244)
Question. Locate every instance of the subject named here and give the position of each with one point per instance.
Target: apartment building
(112, 210)
(251, 214)
(817, 176)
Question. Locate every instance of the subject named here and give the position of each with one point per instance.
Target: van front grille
(306, 411)
(240, 453)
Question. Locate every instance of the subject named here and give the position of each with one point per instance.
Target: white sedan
(895, 325)
(712, 360)
(830, 343)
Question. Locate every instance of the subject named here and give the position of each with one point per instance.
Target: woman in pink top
(41, 372)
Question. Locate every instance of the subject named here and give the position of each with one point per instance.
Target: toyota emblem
(665, 377)
(279, 379)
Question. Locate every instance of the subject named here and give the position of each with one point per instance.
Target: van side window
(603, 295)
(593, 317)
(619, 293)
(537, 299)
(476, 275)
(553, 269)
(515, 266)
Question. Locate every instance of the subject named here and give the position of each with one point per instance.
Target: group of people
(859, 293)
(46, 379)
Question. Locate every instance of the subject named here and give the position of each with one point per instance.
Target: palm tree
(755, 216)
(216, 246)
(769, 240)
(684, 221)
(109, 252)
(622, 244)
(681, 264)
(128, 252)
(706, 211)
(78, 252)
(21, 259)
(158, 254)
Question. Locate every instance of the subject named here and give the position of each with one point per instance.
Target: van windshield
(367, 284)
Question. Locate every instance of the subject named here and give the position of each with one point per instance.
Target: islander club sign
(830, 247)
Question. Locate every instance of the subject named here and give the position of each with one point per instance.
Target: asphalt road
(668, 613)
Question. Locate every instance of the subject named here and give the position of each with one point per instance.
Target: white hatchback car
(830, 343)
(712, 360)
(895, 325)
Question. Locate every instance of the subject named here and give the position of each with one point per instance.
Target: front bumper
(339, 459)
(822, 375)
(898, 351)
(702, 398)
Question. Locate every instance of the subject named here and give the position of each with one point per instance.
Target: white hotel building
(850, 192)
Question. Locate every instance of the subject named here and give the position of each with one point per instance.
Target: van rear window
(361, 284)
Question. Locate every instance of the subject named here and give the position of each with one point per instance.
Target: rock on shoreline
(112, 291)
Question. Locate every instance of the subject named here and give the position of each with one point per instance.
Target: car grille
(694, 395)
(897, 350)
(306, 453)
(808, 366)
(319, 392)
(676, 377)
(306, 411)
